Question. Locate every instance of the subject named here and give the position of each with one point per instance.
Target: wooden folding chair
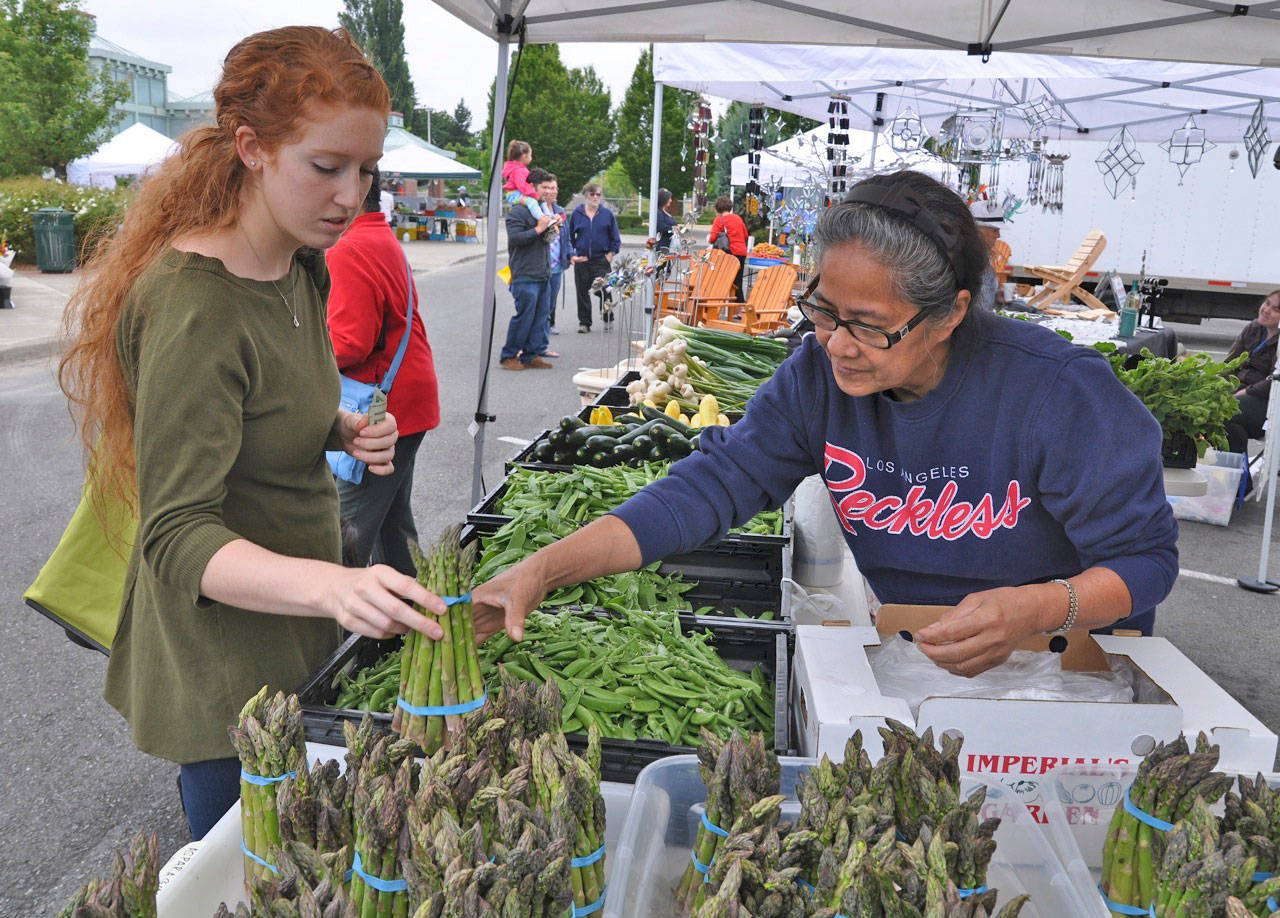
(1000, 254)
(1063, 283)
(765, 309)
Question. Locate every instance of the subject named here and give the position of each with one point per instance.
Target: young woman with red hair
(207, 393)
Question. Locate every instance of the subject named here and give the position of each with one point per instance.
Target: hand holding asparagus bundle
(440, 680)
(130, 890)
(269, 740)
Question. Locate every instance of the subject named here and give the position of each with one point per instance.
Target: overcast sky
(447, 59)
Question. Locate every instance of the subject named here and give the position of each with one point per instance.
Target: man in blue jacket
(560, 249)
(530, 260)
(594, 234)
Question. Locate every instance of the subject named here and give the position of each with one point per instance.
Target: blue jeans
(553, 295)
(209, 789)
(527, 331)
(379, 509)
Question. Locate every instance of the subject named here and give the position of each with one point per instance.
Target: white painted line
(1212, 578)
(514, 441)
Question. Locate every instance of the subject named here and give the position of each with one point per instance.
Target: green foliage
(616, 182)
(563, 113)
(450, 130)
(54, 104)
(635, 131)
(732, 139)
(378, 27)
(1192, 396)
(93, 208)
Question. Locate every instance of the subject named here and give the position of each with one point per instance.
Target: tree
(562, 113)
(55, 107)
(378, 27)
(451, 130)
(732, 137)
(635, 132)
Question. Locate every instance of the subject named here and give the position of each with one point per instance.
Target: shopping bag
(356, 398)
(81, 586)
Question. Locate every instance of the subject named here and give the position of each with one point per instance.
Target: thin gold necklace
(292, 309)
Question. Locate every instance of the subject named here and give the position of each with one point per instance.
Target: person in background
(667, 221)
(529, 257)
(207, 394)
(973, 460)
(386, 202)
(593, 232)
(735, 229)
(989, 217)
(517, 187)
(1258, 340)
(462, 199)
(559, 250)
(370, 299)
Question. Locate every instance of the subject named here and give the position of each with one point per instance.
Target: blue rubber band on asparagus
(704, 869)
(454, 600)
(1147, 818)
(442, 710)
(253, 857)
(711, 827)
(265, 782)
(593, 907)
(1272, 905)
(587, 859)
(1262, 876)
(966, 893)
(381, 885)
(1122, 909)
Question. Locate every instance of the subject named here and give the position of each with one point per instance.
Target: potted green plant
(1192, 398)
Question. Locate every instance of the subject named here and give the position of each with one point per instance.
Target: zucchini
(601, 442)
(571, 422)
(679, 447)
(624, 452)
(579, 435)
(641, 444)
(639, 430)
(544, 452)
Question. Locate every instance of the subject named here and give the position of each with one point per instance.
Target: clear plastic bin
(656, 842)
(198, 882)
(1225, 474)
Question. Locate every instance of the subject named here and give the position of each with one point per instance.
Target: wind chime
(1051, 195)
(700, 125)
(755, 143)
(1035, 172)
(838, 146)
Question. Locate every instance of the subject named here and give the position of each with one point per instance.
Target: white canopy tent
(800, 161)
(1206, 31)
(130, 153)
(412, 161)
(1093, 97)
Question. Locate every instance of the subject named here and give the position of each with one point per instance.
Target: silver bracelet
(1073, 608)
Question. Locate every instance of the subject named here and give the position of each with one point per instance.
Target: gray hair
(919, 271)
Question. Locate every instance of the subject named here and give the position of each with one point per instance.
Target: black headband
(905, 204)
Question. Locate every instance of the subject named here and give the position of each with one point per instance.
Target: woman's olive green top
(232, 406)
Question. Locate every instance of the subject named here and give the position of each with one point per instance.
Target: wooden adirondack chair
(1063, 283)
(710, 277)
(1000, 253)
(765, 309)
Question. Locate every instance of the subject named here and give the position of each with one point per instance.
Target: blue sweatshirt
(1029, 461)
(594, 237)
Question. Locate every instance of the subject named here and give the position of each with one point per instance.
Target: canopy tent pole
(654, 156)
(489, 305)
(1261, 584)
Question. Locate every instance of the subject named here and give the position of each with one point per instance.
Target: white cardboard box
(1019, 741)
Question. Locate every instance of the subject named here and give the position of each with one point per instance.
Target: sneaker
(537, 363)
(511, 363)
(554, 330)
(584, 329)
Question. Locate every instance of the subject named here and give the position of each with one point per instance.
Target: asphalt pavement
(72, 787)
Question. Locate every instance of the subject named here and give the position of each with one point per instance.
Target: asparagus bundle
(312, 808)
(270, 742)
(381, 802)
(1194, 873)
(130, 890)
(309, 885)
(444, 673)
(1254, 814)
(756, 870)
(738, 772)
(1167, 784)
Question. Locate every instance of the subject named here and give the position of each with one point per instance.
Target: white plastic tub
(215, 872)
(590, 383)
(657, 841)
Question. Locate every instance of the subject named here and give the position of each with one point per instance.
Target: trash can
(55, 240)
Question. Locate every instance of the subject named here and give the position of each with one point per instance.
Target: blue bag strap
(390, 376)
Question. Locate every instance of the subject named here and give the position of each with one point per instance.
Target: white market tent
(799, 161)
(412, 161)
(130, 153)
(1204, 31)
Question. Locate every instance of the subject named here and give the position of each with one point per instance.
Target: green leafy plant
(93, 209)
(1192, 396)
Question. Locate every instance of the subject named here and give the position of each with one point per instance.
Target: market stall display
(129, 891)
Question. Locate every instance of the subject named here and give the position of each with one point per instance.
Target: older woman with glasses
(973, 461)
(593, 233)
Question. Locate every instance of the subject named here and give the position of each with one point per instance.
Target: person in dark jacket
(530, 260)
(1258, 340)
(593, 232)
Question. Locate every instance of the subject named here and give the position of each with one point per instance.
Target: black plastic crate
(486, 515)
(616, 396)
(741, 646)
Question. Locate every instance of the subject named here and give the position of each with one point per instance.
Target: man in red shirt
(368, 303)
(735, 229)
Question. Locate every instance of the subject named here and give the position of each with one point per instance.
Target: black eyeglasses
(870, 335)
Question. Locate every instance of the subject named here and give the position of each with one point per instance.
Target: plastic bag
(818, 551)
(6, 275)
(903, 671)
